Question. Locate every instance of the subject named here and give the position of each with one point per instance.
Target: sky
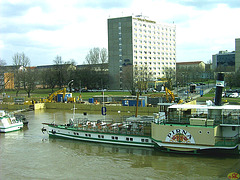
(44, 29)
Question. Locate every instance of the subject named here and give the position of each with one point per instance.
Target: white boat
(199, 128)
(9, 123)
(192, 128)
(131, 133)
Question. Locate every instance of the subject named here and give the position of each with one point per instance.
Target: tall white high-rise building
(142, 44)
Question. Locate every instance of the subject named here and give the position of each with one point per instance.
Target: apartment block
(141, 44)
(237, 54)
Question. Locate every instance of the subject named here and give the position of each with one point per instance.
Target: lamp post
(70, 86)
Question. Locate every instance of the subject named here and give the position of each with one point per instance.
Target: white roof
(189, 106)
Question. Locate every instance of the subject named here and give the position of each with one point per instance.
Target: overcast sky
(43, 29)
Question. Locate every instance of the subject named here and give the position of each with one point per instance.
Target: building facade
(192, 64)
(142, 44)
(224, 61)
(237, 54)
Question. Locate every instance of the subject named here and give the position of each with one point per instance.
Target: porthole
(208, 132)
(200, 132)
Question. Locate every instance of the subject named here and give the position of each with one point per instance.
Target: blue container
(133, 102)
(60, 97)
(91, 100)
(125, 102)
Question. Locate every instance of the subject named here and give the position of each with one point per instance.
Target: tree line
(57, 75)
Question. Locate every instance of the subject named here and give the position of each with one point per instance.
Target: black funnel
(219, 87)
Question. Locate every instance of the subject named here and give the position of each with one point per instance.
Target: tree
(20, 61)
(136, 78)
(97, 56)
(103, 56)
(2, 62)
(61, 71)
(30, 77)
(2, 78)
(170, 75)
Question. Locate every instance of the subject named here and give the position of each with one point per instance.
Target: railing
(227, 141)
(185, 119)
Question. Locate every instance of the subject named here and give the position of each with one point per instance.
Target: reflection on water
(29, 154)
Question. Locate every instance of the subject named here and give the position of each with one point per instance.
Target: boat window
(89, 135)
(77, 133)
(112, 137)
(233, 128)
(208, 132)
(127, 139)
(102, 136)
(86, 134)
(146, 140)
(98, 136)
(131, 139)
(142, 140)
(116, 138)
(200, 132)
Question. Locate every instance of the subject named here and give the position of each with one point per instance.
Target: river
(30, 154)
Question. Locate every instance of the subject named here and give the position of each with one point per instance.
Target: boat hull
(12, 127)
(101, 137)
(197, 149)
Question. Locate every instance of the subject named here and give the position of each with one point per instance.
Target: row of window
(153, 32)
(152, 68)
(154, 42)
(154, 58)
(153, 47)
(154, 63)
(157, 27)
(153, 52)
(150, 37)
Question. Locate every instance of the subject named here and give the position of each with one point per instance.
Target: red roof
(191, 62)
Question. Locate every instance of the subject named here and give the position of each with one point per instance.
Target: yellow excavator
(171, 95)
(51, 96)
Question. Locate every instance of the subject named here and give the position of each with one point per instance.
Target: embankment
(85, 108)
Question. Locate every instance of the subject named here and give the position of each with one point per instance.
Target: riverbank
(96, 108)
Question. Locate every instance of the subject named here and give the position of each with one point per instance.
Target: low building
(224, 61)
(192, 64)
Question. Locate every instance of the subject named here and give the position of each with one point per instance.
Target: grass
(43, 93)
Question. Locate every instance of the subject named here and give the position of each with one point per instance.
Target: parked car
(233, 95)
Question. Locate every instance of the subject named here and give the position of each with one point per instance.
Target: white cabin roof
(189, 106)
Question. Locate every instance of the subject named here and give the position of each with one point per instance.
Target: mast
(136, 113)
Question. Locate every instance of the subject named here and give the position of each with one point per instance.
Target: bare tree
(30, 77)
(61, 71)
(20, 61)
(170, 75)
(96, 56)
(3, 80)
(136, 78)
(2, 62)
(103, 56)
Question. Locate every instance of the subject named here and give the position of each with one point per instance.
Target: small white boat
(9, 123)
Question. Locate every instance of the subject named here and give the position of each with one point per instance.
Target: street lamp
(69, 86)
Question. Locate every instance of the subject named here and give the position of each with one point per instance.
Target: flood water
(30, 154)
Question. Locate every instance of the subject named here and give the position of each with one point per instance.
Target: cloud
(43, 29)
(209, 4)
(106, 4)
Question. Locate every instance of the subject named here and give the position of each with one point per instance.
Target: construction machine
(170, 93)
(172, 96)
(54, 94)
